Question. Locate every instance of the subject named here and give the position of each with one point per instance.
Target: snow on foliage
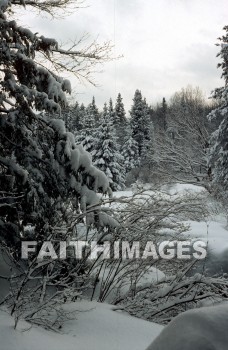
(218, 153)
(40, 159)
(48, 182)
(58, 125)
(140, 121)
(119, 119)
(106, 155)
(130, 151)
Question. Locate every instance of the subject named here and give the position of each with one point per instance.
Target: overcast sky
(166, 45)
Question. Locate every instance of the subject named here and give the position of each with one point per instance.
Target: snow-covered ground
(199, 329)
(96, 327)
(212, 230)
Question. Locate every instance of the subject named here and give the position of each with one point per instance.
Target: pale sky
(166, 45)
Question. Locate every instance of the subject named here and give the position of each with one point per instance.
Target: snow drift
(199, 329)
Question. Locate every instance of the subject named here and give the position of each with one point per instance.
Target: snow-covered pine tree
(106, 155)
(47, 182)
(41, 167)
(82, 111)
(130, 151)
(75, 118)
(111, 112)
(86, 136)
(86, 139)
(89, 122)
(218, 153)
(120, 120)
(105, 112)
(71, 116)
(93, 112)
(140, 121)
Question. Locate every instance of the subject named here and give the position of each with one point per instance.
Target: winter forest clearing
(113, 219)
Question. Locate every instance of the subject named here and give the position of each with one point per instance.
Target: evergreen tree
(140, 122)
(111, 112)
(77, 118)
(218, 156)
(86, 135)
(40, 165)
(130, 151)
(107, 157)
(120, 120)
(82, 112)
(93, 112)
(120, 114)
(89, 121)
(73, 117)
(47, 182)
(87, 140)
(105, 112)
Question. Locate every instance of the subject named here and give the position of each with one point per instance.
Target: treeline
(163, 142)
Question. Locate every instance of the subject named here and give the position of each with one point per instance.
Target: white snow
(75, 155)
(66, 86)
(178, 188)
(96, 327)
(58, 125)
(199, 329)
(213, 232)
